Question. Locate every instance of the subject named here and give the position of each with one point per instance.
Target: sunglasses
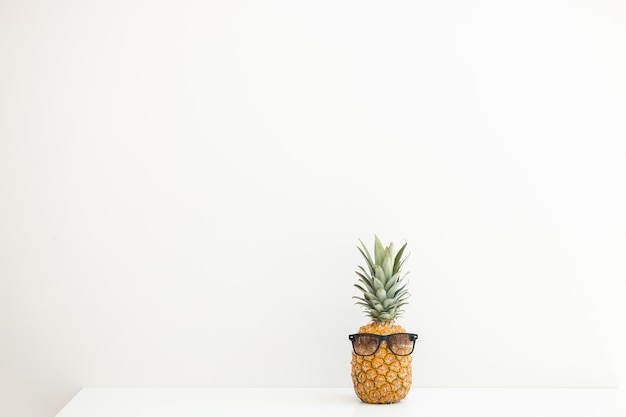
(366, 344)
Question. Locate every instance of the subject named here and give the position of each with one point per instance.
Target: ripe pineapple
(382, 377)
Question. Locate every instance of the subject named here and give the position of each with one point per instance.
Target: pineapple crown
(383, 284)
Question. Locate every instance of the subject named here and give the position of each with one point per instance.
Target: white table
(329, 402)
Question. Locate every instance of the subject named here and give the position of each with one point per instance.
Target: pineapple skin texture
(382, 378)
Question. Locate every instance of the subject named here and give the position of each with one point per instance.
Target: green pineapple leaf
(382, 283)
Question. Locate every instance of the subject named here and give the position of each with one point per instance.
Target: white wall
(183, 185)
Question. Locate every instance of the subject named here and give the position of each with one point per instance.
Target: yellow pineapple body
(381, 378)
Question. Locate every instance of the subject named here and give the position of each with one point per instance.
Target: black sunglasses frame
(352, 337)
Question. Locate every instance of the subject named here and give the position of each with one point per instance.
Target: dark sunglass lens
(365, 344)
(401, 343)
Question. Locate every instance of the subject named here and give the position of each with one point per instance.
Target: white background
(183, 183)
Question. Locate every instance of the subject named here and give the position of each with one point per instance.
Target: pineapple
(382, 377)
